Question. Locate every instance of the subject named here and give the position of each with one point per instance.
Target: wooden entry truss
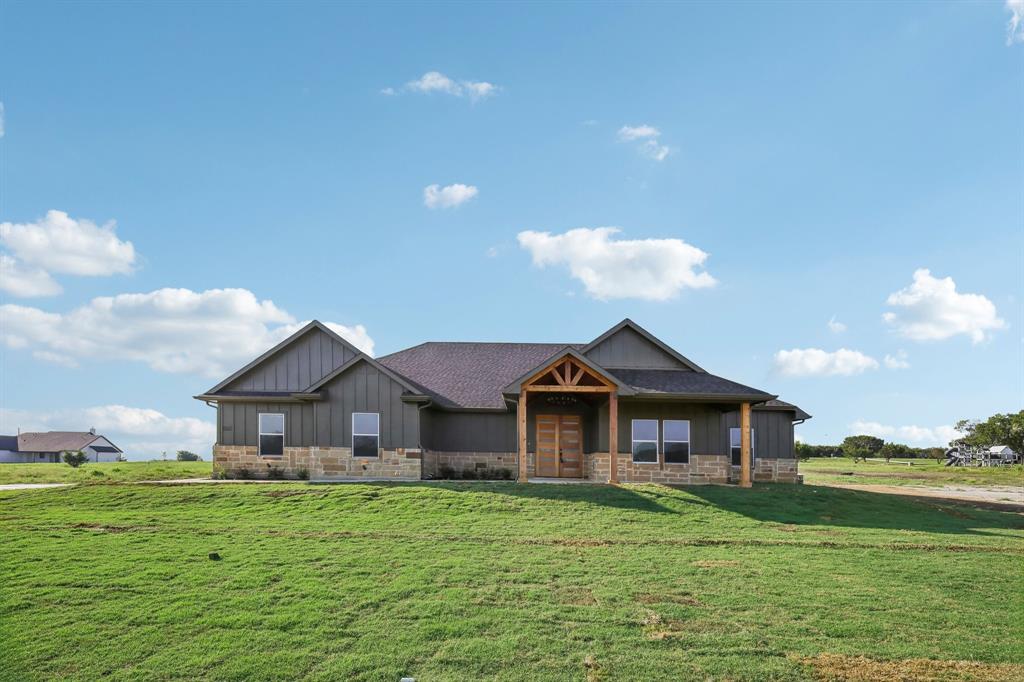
(568, 374)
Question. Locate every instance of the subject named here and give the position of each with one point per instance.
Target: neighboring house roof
(686, 382)
(469, 374)
(55, 441)
(999, 449)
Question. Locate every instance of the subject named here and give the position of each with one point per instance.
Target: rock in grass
(214, 556)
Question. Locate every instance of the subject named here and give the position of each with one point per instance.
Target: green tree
(999, 429)
(75, 458)
(186, 456)
(890, 450)
(861, 447)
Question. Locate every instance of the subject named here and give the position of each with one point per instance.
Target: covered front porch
(568, 428)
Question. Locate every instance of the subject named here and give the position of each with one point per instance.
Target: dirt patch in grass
(836, 667)
(684, 599)
(716, 563)
(576, 596)
(101, 528)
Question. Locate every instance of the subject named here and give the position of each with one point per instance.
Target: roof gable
(302, 359)
(54, 441)
(361, 358)
(628, 345)
(515, 386)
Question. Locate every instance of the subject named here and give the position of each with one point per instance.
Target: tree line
(999, 429)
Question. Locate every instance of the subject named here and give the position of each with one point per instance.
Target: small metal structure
(966, 456)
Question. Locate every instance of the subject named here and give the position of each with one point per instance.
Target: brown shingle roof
(683, 382)
(54, 441)
(469, 374)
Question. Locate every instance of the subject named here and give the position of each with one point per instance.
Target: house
(1004, 453)
(625, 407)
(49, 446)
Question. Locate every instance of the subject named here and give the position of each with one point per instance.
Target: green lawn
(104, 472)
(826, 470)
(464, 581)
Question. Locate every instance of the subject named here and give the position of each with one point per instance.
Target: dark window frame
(736, 451)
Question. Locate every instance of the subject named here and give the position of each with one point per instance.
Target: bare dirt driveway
(994, 497)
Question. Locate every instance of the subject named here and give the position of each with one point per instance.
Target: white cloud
(912, 435)
(898, 361)
(142, 433)
(835, 326)
(1015, 26)
(437, 82)
(648, 136)
(25, 282)
(449, 196)
(58, 243)
(651, 269)
(492, 252)
(630, 133)
(171, 330)
(814, 362)
(930, 309)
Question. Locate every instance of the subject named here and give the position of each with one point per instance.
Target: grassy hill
(504, 581)
(103, 472)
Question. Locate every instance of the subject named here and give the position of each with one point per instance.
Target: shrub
(186, 456)
(445, 472)
(220, 475)
(275, 473)
(469, 474)
(303, 474)
(75, 458)
(505, 474)
(243, 474)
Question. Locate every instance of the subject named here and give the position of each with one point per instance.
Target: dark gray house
(625, 407)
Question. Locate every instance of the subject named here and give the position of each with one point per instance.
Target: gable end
(629, 346)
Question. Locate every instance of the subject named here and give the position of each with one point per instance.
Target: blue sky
(771, 168)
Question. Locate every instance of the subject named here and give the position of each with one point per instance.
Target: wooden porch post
(613, 437)
(521, 414)
(745, 476)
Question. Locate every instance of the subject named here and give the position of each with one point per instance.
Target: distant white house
(49, 446)
(1005, 452)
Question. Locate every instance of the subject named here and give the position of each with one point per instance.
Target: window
(365, 434)
(676, 435)
(271, 434)
(734, 445)
(645, 440)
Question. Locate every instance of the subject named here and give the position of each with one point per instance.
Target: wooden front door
(559, 446)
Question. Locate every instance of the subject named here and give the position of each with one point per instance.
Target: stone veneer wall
(434, 461)
(774, 470)
(322, 464)
(701, 469)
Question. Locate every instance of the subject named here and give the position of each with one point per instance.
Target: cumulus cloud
(25, 282)
(835, 326)
(449, 196)
(916, 435)
(59, 244)
(436, 82)
(143, 433)
(898, 361)
(814, 362)
(171, 330)
(1015, 26)
(651, 269)
(648, 136)
(930, 309)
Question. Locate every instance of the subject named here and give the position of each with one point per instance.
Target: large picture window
(271, 434)
(645, 440)
(734, 445)
(676, 437)
(365, 434)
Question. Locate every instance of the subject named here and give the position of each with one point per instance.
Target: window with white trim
(365, 434)
(735, 446)
(645, 440)
(675, 434)
(271, 428)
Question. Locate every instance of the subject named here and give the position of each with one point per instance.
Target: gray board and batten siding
(328, 422)
(296, 367)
